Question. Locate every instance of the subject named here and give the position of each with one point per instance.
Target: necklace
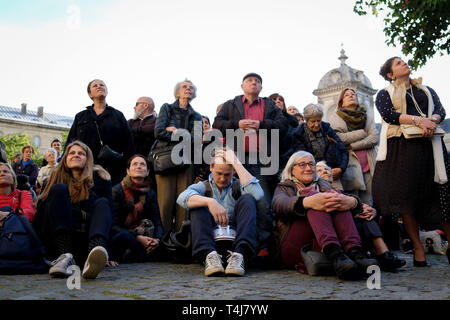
(415, 102)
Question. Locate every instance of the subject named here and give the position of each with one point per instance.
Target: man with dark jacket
(143, 125)
(142, 128)
(250, 113)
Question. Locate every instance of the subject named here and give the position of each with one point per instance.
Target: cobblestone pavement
(164, 281)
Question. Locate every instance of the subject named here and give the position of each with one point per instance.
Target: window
(37, 141)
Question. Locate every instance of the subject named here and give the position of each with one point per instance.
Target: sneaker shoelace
(213, 259)
(233, 258)
(61, 258)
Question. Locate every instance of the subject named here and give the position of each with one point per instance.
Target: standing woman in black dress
(410, 173)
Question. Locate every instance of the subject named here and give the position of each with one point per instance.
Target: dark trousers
(126, 248)
(367, 230)
(58, 215)
(264, 216)
(203, 225)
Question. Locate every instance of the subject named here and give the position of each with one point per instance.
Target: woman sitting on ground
(368, 229)
(11, 198)
(74, 213)
(137, 228)
(307, 207)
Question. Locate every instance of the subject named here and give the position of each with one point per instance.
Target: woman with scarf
(137, 228)
(318, 138)
(410, 174)
(27, 166)
(307, 208)
(360, 136)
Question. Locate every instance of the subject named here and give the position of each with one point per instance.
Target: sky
(51, 49)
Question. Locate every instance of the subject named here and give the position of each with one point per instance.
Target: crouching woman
(306, 208)
(74, 213)
(137, 228)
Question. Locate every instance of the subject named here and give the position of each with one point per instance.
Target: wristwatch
(435, 118)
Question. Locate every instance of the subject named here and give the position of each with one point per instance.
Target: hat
(252, 74)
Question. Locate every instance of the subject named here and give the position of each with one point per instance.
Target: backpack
(235, 189)
(21, 251)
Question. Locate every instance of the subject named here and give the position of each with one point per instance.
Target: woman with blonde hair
(74, 213)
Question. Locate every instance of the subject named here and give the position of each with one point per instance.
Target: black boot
(389, 261)
(361, 259)
(344, 267)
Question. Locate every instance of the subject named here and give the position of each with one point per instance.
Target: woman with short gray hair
(44, 173)
(318, 138)
(312, 110)
(178, 115)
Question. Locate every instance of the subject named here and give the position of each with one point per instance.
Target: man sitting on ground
(219, 202)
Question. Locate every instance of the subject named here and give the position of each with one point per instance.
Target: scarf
(317, 141)
(355, 119)
(135, 210)
(24, 164)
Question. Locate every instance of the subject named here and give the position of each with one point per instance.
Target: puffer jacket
(336, 155)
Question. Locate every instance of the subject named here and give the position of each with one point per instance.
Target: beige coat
(361, 139)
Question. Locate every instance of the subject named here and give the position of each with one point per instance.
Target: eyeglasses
(140, 102)
(304, 164)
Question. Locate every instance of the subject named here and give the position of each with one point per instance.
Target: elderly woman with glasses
(307, 208)
(318, 138)
(172, 117)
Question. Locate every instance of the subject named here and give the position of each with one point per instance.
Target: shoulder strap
(236, 189)
(208, 191)
(19, 210)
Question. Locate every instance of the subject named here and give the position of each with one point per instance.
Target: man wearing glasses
(142, 128)
(142, 125)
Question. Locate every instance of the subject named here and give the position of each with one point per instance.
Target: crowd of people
(111, 196)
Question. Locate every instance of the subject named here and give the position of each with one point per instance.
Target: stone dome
(344, 75)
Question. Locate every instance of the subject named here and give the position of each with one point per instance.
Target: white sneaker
(95, 262)
(235, 265)
(60, 266)
(213, 264)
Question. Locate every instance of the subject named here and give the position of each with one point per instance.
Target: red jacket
(26, 202)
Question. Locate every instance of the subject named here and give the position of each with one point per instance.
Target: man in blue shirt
(219, 205)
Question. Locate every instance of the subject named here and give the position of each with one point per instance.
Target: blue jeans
(203, 225)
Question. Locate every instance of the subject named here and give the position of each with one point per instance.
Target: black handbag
(161, 154)
(107, 154)
(161, 158)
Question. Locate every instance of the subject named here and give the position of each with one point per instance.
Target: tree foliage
(421, 27)
(15, 142)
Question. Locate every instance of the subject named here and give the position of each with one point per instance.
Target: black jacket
(119, 211)
(31, 171)
(336, 155)
(233, 111)
(114, 132)
(143, 131)
(171, 115)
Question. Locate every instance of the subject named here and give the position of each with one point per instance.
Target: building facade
(41, 127)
